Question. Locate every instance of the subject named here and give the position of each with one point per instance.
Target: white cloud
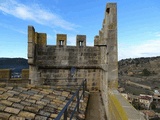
(35, 13)
(148, 49)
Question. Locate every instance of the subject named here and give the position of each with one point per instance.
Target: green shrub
(145, 72)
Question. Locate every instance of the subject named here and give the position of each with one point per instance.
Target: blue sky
(138, 24)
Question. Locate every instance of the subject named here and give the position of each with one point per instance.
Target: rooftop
(20, 103)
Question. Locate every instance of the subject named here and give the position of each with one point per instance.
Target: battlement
(46, 62)
(40, 39)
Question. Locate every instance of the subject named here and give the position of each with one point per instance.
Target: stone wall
(64, 77)
(109, 57)
(69, 56)
(5, 74)
(6, 80)
(47, 61)
(121, 109)
(52, 64)
(96, 63)
(25, 74)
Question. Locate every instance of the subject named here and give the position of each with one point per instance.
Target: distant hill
(15, 64)
(137, 65)
(140, 71)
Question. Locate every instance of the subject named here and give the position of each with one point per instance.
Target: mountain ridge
(141, 72)
(15, 64)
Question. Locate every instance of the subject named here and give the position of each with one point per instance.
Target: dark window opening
(61, 42)
(108, 10)
(80, 43)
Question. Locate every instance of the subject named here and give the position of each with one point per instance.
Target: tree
(145, 72)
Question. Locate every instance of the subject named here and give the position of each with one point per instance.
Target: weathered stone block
(48, 109)
(41, 103)
(6, 102)
(2, 107)
(16, 118)
(3, 89)
(44, 113)
(4, 116)
(27, 115)
(25, 103)
(31, 109)
(14, 99)
(12, 110)
(19, 106)
(53, 115)
(30, 100)
(38, 117)
(3, 96)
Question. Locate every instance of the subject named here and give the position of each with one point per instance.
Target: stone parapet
(25, 74)
(5, 73)
(6, 80)
(120, 108)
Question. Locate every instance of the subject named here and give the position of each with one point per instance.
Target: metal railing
(64, 111)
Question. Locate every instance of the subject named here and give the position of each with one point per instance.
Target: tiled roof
(20, 103)
(150, 113)
(145, 97)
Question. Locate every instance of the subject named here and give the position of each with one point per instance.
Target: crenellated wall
(52, 64)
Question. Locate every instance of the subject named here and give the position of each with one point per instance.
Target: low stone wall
(5, 73)
(6, 80)
(25, 73)
(120, 109)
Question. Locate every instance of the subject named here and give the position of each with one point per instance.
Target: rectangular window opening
(81, 43)
(108, 10)
(61, 42)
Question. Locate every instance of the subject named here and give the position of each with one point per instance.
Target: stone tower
(51, 64)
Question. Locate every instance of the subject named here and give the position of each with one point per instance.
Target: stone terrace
(23, 103)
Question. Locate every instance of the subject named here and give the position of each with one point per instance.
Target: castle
(98, 64)
(61, 64)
